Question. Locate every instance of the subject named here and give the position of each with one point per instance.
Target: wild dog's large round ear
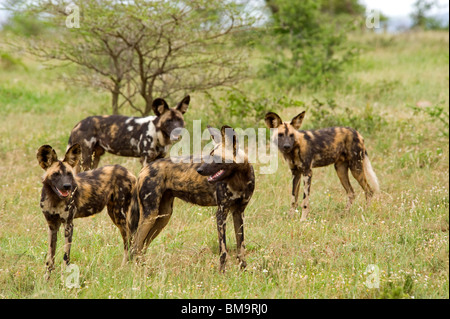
(215, 134)
(229, 137)
(184, 104)
(272, 120)
(297, 121)
(73, 155)
(46, 155)
(159, 106)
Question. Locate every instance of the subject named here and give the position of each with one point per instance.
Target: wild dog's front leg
(53, 227)
(296, 174)
(142, 234)
(68, 232)
(149, 195)
(306, 191)
(238, 220)
(165, 212)
(221, 216)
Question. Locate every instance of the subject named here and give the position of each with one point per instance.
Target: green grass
(404, 232)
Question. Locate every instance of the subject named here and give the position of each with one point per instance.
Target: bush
(7, 61)
(26, 25)
(241, 110)
(437, 113)
(311, 48)
(326, 114)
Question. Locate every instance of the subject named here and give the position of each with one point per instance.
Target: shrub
(326, 114)
(242, 110)
(311, 48)
(437, 113)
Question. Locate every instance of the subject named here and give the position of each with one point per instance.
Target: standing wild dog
(144, 137)
(66, 196)
(227, 184)
(303, 150)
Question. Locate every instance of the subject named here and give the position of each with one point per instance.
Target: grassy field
(404, 232)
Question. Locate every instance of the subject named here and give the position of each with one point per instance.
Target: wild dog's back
(117, 134)
(329, 145)
(180, 178)
(107, 185)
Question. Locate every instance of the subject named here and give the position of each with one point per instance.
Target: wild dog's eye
(291, 135)
(280, 134)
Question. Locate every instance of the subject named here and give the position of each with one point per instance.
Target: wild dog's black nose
(67, 186)
(286, 146)
(199, 170)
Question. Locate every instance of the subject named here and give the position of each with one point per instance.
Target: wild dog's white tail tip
(372, 179)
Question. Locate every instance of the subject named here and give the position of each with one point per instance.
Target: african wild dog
(66, 195)
(144, 137)
(303, 150)
(212, 182)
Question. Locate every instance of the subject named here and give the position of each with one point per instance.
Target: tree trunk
(149, 99)
(115, 103)
(115, 98)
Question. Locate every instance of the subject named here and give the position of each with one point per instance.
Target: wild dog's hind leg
(342, 173)
(238, 220)
(295, 189)
(119, 219)
(358, 173)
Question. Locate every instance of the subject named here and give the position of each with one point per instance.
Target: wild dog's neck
(302, 137)
(155, 126)
(241, 175)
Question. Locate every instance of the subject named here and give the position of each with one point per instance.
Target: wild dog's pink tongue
(63, 193)
(215, 176)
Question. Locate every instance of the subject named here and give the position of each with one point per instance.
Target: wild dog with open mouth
(66, 195)
(144, 137)
(227, 184)
(342, 146)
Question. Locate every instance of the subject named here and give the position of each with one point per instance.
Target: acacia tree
(139, 50)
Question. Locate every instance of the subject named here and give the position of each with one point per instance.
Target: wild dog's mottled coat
(144, 137)
(304, 150)
(66, 195)
(229, 187)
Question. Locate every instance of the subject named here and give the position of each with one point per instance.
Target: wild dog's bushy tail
(133, 213)
(372, 179)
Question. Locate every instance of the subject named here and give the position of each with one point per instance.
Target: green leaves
(311, 49)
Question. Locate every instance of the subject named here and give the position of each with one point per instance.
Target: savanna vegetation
(393, 88)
